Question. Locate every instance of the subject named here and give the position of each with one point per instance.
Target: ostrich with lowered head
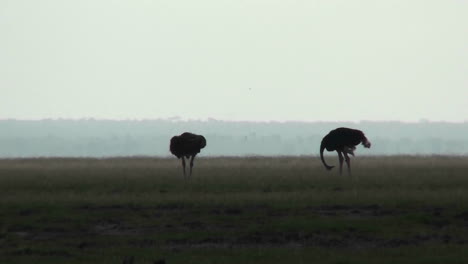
(344, 141)
(187, 145)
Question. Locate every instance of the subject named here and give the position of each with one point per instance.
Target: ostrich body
(344, 141)
(187, 145)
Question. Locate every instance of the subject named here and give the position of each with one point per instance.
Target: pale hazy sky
(308, 60)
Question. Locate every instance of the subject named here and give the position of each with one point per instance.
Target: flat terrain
(401, 209)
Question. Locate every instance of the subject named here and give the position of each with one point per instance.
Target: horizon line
(177, 119)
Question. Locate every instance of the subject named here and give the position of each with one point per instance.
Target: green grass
(403, 209)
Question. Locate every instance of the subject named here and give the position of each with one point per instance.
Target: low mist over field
(101, 138)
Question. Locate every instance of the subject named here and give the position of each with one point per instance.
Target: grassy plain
(397, 209)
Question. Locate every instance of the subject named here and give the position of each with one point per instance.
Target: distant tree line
(103, 138)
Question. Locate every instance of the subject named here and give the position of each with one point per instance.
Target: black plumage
(344, 141)
(187, 145)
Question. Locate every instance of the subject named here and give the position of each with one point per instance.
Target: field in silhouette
(395, 209)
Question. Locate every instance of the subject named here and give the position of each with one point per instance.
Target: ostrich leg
(340, 157)
(348, 163)
(183, 165)
(191, 164)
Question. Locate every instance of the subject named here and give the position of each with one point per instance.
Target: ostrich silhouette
(344, 141)
(187, 145)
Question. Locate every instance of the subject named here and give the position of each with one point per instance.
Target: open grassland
(400, 209)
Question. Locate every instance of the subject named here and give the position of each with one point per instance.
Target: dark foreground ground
(234, 210)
